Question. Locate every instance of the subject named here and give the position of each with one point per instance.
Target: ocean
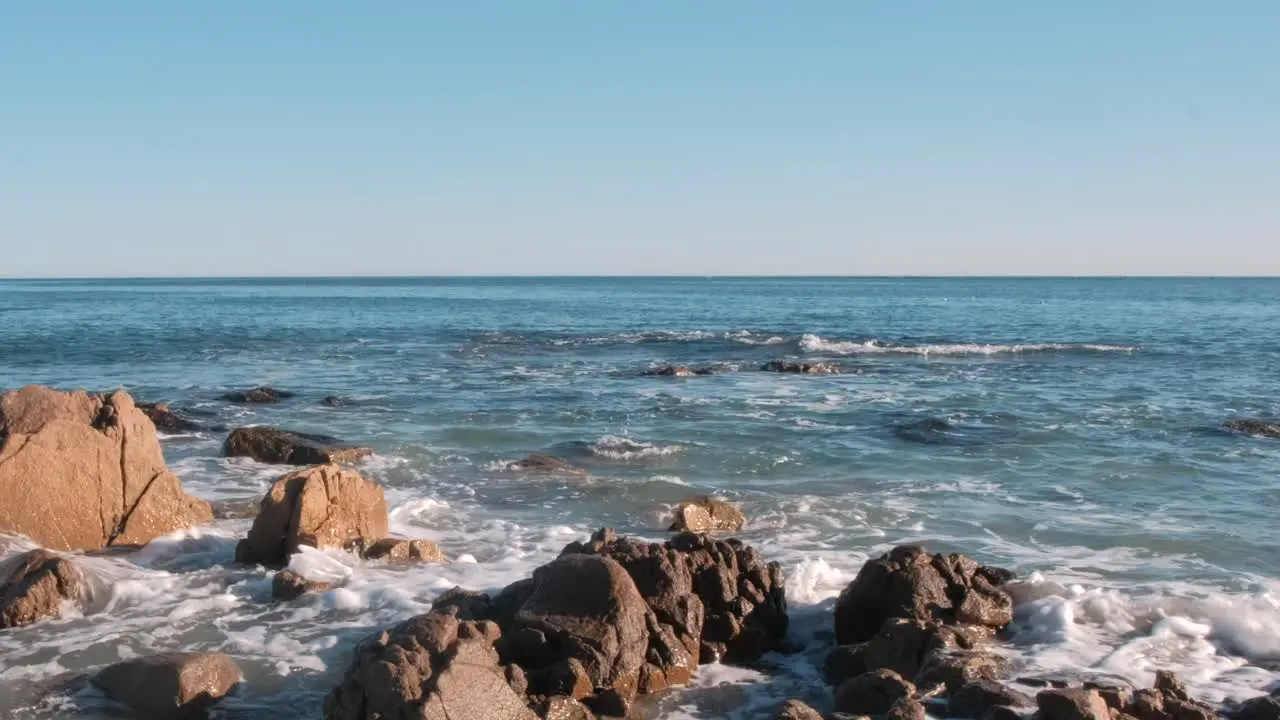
(1068, 429)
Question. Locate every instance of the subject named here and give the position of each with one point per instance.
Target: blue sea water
(1069, 429)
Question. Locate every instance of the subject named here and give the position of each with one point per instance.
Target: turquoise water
(1067, 428)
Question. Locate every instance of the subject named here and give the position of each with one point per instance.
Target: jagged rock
(806, 368)
(1117, 697)
(35, 584)
(289, 585)
(172, 685)
(796, 710)
(977, 698)
(83, 472)
(955, 669)
(906, 709)
(703, 514)
(465, 604)
(1168, 700)
(872, 693)
(1072, 704)
(843, 663)
(399, 550)
(166, 420)
(1253, 428)
(1147, 704)
(257, 395)
(909, 583)
(326, 506)
(1266, 707)
(285, 447)
(432, 667)
(544, 464)
(561, 707)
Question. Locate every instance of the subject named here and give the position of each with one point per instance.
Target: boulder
(431, 667)
(35, 584)
(257, 395)
(702, 514)
(805, 368)
(909, 583)
(1266, 707)
(1168, 700)
(1253, 428)
(173, 685)
(543, 464)
(325, 506)
(906, 709)
(83, 472)
(955, 669)
(844, 662)
(400, 550)
(796, 710)
(872, 693)
(289, 585)
(718, 599)
(562, 707)
(978, 698)
(285, 447)
(1072, 704)
(166, 420)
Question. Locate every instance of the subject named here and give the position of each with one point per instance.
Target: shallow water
(1067, 429)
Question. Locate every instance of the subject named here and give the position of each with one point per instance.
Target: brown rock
(805, 368)
(81, 472)
(843, 663)
(34, 585)
(1117, 697)
(796, 710)
(955, 669)
(326, 506)
(257, 395)
(978, 698)
(1147, 704)
(166, 420)
(289, 585)
(399, 550)
(906, 709)
(1253, 428)
(561, 707)
(1072, 704)
(171, 685)
(703, 514)
(285, 447)
(1170, 686)
(872, 693)
(464, 604)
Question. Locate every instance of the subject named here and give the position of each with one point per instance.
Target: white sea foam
(615, 447)
(816, 344)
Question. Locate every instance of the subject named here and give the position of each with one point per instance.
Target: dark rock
(1002, 712)
(955, 669)
(900, 646)
(1147, 704)
(333, 401)
(544, 464)
(906, 709)
(34, 585)
(977, 698)
(909, 583)
(796, 710)
(289, 585)
(285, 447)
(564, 708)
(703, 514)
(843, 663)
(1188, 710)
(464, 604)
(1072, 704)
(610, 703)
(257, 395)
(676, 371)
(166, 420)
(1170, 686)
(173, 685)
(1117, 697)
(1253, 428)
(805, 368)
(1266, 707)
(872, 693)
(400, 550)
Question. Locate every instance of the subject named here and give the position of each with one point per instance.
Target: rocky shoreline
(612, 620)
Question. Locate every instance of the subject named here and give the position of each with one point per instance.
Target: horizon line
(650, 276)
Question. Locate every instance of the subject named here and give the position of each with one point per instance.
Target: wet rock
(1072, 704)
(1002, 712)
(544, 464)
(676, 371)
(955, 669)
(901, 645)
(805, 368)
(84, 472)
(843, 663)
(1253, 428)
(1117, 697)
(1043, 682)
(325, 506)
(257, 395)
(399, 550)
(703, 514)
(1147, 704)
(906, 709)
(1170, 686)
(561, 707)
(236, 509)
(333, 401)
(166, 420)
(288, 585)
(610, 703)
(978, 698)
(285, 447)
(464, 604)
(433, 667)
(796, 710)
(35, 584)
(872, 693)
(911, 584)
(173, 685)
(1266, 707)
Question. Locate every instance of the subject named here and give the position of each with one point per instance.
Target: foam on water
(817, 344)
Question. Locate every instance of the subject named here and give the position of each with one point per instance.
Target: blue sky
(849, 137)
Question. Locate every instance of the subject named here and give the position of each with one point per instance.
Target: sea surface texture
(1069, 429)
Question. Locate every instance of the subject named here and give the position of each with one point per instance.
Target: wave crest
(816, 344)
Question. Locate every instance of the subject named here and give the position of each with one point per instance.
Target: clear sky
(533, 137)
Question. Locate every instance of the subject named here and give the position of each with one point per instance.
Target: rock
(1116, 697)
(35, 584)
(1147, 704)
(257, 395)
(166, 420)
(909, 583)
(399, 550)
(544, 464)
(796, 710)
(236, 509)
(83, 472)
(561, 707)
(906, 709)
(285, 447)
(806, 368)
(703, 514)
(464, 604)
(333, 401)
(433, 667)
(173, 685)
(901, 645)
(955, 669)
(1002, 712)
(977, 698)
(843, 663)
(675, 371)
(1072, 704)
(1253, 428)
(717, 599)
(1170, 686)
(289, 585)
(1266, 707)
(872, 693)
(325, 506)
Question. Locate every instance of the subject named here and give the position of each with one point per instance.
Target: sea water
(1068, 429)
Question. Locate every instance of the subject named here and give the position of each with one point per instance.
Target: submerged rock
(172, 685)
(1253, 428)
(804, 368)
(704, 514)
(398, 549)
(289, 585)
(285, 447)
(35, 584)
(166, 420)
(257, 395)
(544, 464)
(677, 371)
(326, 506)
(334, 401)
(83, 472)
(797, 710)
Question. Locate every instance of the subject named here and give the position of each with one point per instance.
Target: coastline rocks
(285, 447)
(1072, 704)
(35, 584)
(165, 419)
(257, 395)
(872, 693)
(796, 710)
(1253, 428)
(676, 371)
(703, 514)
(173, 685)
(83, 472)
(289, 585)
(325, 506)
(401, 550)
(804, 368)
(909, 583)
